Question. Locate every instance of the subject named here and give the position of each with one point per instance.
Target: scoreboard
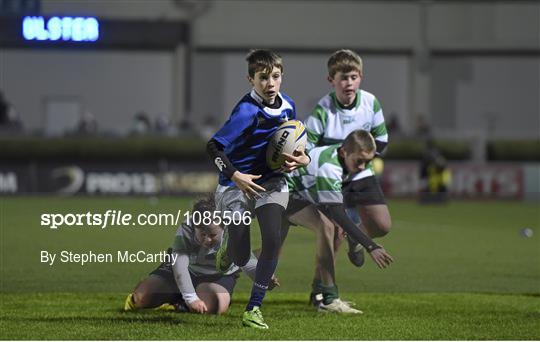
(76, 29)
(90, 32)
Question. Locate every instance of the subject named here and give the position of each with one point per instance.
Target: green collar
(340, 106)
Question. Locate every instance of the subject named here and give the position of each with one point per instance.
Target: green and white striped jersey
(320, 181)
(202, 261)
(329, 123)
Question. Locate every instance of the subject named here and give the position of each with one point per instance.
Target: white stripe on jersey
(271, 111)
(321, 179)
(340, 122)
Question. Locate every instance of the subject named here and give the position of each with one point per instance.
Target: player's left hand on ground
(293, 161)
(381, 257)
(198, 306)
(274, 282)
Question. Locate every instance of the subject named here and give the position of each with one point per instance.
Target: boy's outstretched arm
(185, 284)
(336, 212)
(219, 158)
(245, 182)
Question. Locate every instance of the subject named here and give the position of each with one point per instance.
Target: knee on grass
(216, 298)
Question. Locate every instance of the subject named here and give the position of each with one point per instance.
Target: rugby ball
(289, 137)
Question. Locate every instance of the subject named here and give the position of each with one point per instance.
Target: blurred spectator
(9, 118)
(423, 130)
(164, 126)
(5, 110)
(208, 127)
(186, 128)
(141, 124)
(435, 176)
(161, 124)
(87, 124)
(393, 126)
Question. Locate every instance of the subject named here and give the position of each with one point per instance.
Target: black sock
(269, 216)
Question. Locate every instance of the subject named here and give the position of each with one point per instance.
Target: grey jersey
(202, 261)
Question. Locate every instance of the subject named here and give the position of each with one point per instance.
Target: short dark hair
(264, 60)
(205, 203)
(359, 140)
(202, 205)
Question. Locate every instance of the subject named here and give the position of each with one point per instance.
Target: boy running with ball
(246, 183)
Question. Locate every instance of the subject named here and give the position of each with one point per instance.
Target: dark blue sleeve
(241, 118)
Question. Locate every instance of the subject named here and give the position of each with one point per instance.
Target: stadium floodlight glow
(76, 29)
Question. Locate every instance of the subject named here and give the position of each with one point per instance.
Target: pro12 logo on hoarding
(68, 29)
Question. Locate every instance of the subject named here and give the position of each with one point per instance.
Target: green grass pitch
(462, 271)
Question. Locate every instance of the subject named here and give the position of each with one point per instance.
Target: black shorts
(165, 271)
(296, 203)
(365, 191)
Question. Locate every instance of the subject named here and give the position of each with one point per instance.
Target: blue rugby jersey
(246, 134)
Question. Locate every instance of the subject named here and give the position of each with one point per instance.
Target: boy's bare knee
(221, 310)
(386, 226)
(383, 227)
(218, 309)
(223, 302)
(328, 230)
(215, 297)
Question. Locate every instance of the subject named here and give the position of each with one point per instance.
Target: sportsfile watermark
(119, 218)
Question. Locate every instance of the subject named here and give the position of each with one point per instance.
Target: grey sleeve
(183, 279)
